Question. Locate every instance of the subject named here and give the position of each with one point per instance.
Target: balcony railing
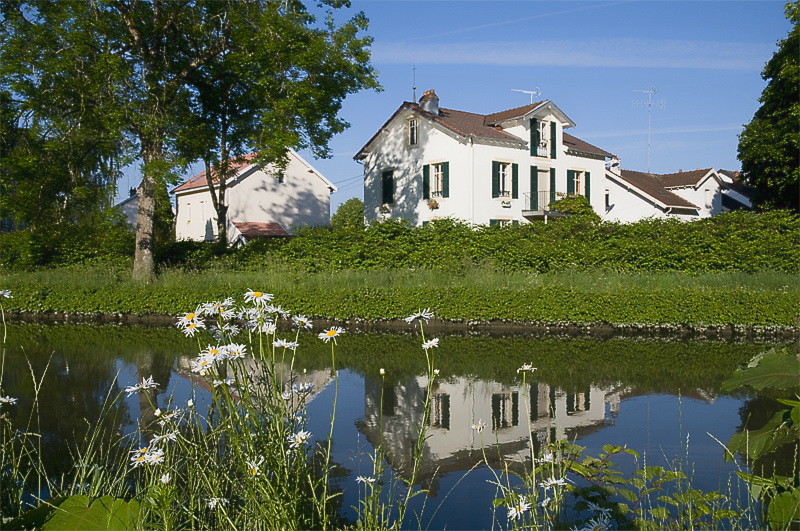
(540, 201)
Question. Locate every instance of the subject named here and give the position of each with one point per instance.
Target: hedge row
(737, 241)
(690, 306)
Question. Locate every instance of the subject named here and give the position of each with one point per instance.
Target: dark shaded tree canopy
(769, 146)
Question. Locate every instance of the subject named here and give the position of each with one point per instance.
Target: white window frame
(412, 138)
(506, 175)
(437, 179)
(580, 182)
(543, 149)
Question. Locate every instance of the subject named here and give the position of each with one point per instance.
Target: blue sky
(704, 57)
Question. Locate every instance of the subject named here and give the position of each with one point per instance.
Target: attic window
(412, 128)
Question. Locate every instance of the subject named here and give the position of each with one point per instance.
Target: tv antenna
(414, 86)
(533, 93)
(649, 103)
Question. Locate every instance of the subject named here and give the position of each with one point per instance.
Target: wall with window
(301, 199)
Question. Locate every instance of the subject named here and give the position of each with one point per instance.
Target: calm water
(660, 398)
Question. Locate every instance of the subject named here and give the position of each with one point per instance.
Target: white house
(260, 204)
(633, 195)
(428, 162)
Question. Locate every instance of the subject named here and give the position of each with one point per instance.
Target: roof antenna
(649, 103)
(414, 87)
(536, 92)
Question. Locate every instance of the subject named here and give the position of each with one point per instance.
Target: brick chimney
(430, 102)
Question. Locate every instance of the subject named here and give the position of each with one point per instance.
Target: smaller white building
(260, 203)
(633, 195)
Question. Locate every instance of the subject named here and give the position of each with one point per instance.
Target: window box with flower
(433, 204)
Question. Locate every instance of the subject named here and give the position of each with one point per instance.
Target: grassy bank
(761, 299)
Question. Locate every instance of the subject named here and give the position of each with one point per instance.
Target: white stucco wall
(302, 199)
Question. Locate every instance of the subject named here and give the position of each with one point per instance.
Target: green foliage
(776, 369)
(349, 215)
(104, 239)
(574, 204)
(769, 146)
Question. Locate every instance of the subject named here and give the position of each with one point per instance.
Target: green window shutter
(535, 139)
(552, 140)
(445, 179)
(534, 188)
(570, 182)
(587, 186)
(387, 187)
(426, 182)
(515, 181)
(493, 222)
(515, 222)
(552, 185)
(425, 223)
(495, 179)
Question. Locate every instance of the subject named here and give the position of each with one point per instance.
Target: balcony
(537, 205)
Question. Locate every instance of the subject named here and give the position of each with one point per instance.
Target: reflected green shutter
(534, 188)
(535, 138)
(552, 184)
(495, 179)
(514, 181)
(587, 186)
(570, 182)
(552, 140)
(493, 222)
(445, 179)
(426, 182)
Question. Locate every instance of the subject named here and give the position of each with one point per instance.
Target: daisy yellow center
(257, 294)
(192, 325)
(190, 316)
(331, 333)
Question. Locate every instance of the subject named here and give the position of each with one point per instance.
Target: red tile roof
(650, 185)
(261, 230)
(510, 114)
(481, 126)
(683, 178)
(576, 144)
(236, 165)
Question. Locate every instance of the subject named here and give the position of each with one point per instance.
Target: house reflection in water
(458, 403)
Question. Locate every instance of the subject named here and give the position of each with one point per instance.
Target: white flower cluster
(214, 354)
(146, 384)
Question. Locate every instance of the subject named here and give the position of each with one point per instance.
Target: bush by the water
(736, 241)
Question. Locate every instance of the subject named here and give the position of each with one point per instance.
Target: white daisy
(552, 483)
(301, 321)
(364, 479)
(479, 426)
(254, 467)
(214, 502)
(166, 478)
(432, 343)
(298, 439)
(331, 333)
(526, 368)
(259, 298)
(8, 400)
(518, 509)
(5, 294)
(423, 315)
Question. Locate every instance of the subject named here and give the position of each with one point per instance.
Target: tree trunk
(144, 267)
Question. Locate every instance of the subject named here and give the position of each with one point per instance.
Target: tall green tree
(151, 60)
(769, 146)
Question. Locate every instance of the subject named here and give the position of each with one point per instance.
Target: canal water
(661, 398)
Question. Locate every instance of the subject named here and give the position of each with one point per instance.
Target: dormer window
(413, 132)
(540, 138)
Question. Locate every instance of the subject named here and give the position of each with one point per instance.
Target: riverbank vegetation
(734, 270)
